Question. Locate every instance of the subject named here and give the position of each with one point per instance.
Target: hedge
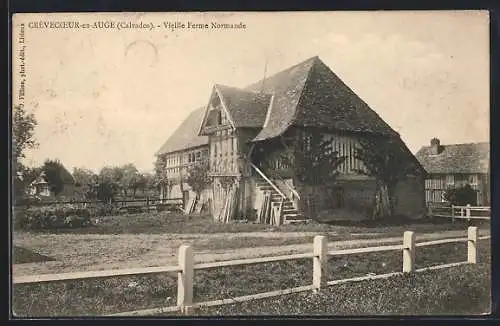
(35, 218)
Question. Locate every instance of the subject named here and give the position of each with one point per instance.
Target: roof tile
(456, 158)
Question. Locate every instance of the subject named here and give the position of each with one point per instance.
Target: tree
(197, 177)
(86, 181)
(142, 182)
(23, 131)
(129, 178)
(109, 183)
(26, 176)
(317, 162)
(160, 180)
(461, 196)
(387, 160)
(53, 170)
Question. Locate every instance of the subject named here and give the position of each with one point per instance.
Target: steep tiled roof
(306, 94)
(456, 158)
(328, 102)
(287, 88)
(247, 108)
(186, 135)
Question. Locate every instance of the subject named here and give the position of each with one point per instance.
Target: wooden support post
(185, 278)
(408, 252)
(320, 262)
(472, 245)
(467, 212)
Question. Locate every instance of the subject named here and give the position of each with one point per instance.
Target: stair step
(294, 216)
(305, 221)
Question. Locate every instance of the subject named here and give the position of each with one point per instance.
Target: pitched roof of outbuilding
(456, 158)
(186, 135)
(247, 108)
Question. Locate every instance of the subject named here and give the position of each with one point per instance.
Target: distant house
(248, 135)
(455, 165)
(41, 188)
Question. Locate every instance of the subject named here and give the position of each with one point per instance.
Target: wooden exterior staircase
(289, 211)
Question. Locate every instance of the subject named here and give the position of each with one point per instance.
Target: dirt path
(99, 252)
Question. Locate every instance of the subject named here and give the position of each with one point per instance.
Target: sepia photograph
(250, 164)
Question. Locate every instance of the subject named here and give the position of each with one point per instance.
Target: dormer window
(214, 117)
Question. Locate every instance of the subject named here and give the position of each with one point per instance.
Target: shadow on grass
(21, 255)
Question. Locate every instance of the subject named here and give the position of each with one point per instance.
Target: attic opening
(214, 117)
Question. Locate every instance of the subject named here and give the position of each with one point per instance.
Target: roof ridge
(242, 89)
(251, 85)
(459, 144)
(292, 121)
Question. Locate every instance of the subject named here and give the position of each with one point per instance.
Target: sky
(110, 97)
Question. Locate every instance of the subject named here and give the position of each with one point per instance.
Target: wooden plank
(441, 241)
(144, 312)
(364, 250)
(252, 297)
(92, 274)
(251, 261)
(441, 266)
(362, 278)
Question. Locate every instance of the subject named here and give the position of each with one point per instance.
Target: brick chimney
(435, 146)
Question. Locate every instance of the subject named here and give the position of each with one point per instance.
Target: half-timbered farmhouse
(183, 149)
(249, 135)
(455, 165)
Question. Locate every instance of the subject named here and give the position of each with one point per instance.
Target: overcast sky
(109, 97)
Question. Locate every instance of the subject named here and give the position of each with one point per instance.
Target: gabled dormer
(216, 115)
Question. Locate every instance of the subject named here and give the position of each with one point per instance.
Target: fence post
(408, 252)
(467, 212)
(320, 262)
(185, 278)
(452, 213)
(472, 245)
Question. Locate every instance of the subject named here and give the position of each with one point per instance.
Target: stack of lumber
(276, 213)
(229, 206)
(190, 205)
(264, 213)
(199, 204)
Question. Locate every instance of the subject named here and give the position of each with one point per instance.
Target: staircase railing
(268, 181)
(295, 195)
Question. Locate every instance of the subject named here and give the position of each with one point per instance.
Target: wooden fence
(467, 212)
(186, 267)
(148, 203)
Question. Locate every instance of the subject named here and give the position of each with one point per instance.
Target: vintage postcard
(251, 163)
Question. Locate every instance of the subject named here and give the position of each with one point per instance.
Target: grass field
(455, 290)
(152, 240)
(170, 223)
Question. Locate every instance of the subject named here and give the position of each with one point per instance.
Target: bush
(37, 218)
(461, 196)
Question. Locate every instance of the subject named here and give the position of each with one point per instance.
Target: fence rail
(122, 203)
(459, 212)
(186, 267)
